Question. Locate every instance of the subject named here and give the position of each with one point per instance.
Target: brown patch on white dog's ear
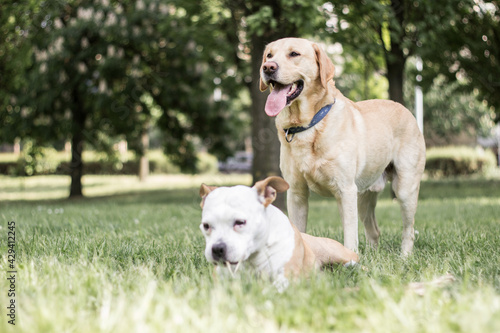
(268, 188)
(204, 190)
(325, 65)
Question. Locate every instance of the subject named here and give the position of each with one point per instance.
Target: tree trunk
(395, 58)
(144, 161)
(265, 143)
(17, 146)
(395, 61)
(395, 76)
(76, 167)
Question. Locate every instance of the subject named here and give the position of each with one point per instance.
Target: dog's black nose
(219, 252)
(270, 67)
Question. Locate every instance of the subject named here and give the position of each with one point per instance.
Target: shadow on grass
(151, 197)
(178, 196)
(20, 188)
(430, 189)
(460, 188)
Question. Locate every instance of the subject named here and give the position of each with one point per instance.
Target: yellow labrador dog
(336, 147)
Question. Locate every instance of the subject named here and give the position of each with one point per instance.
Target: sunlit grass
(57, 187)
(134, 263)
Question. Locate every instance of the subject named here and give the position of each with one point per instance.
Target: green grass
(134, 262)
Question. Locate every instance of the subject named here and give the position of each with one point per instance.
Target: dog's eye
(239, 223)
(294, 54)
(269, 55)
(206, 226)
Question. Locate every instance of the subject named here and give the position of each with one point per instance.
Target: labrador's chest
(317, 169)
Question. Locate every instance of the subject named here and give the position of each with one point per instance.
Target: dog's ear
(325, 65)
(262, 86)
(204, 190)
(268, 188)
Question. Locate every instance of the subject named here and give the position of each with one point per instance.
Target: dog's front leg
(298, 206)
(348, 202)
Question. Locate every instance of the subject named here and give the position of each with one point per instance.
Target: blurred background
(103, 87)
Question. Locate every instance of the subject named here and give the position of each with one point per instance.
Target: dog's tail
(329, 251)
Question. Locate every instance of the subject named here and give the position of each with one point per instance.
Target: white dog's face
(233, 223)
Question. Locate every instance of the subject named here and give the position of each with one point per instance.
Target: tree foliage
(94, 70)
(101, 68)
(361, 78)
(389, 29)
(450, 111)
(456, 40)
(14, 57)
(466, 48)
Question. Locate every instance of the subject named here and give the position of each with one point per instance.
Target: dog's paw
(351, 263)
(355, 265)
(281, 283)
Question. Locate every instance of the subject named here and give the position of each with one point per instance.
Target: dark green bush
(117, 168)
(48, 162)
(32, 161)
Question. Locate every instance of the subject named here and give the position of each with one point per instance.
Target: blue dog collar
(316, 119)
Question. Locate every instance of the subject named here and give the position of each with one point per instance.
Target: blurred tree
(99, 68)
(14, 58)
(361, 78)
(393, 29)
(456, 39)
(466, 49)
(449, 111)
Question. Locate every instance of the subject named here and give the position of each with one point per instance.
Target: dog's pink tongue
(276, 100)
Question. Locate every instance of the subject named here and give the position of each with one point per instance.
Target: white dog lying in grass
(243, 229)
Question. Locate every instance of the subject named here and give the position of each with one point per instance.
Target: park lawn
(134, 262)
